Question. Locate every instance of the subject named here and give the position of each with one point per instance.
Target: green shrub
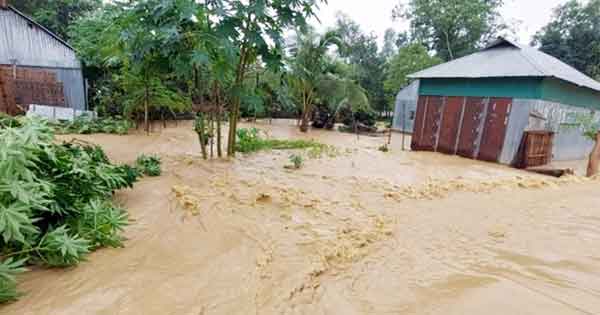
(149, 165)
(249, 140)
(54, 201)
(366, 117)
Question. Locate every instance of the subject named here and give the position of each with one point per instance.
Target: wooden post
(403, 125)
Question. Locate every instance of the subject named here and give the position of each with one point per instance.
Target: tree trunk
(306, 113)
(146, 113)
(594, 163)
(235, 108)
(305, 121)
(211, 129)
(200, 128)
(219, 119)
(233, 117)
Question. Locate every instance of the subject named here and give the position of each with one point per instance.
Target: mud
(355, 232)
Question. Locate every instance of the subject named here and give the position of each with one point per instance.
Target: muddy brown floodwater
(355, 231)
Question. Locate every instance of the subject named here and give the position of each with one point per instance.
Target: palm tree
(341, 93)
(309, 68)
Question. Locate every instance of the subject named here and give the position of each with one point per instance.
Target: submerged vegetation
(297, 161)
(250, 140)
(149, 165)
(88, 125)
(55, 201)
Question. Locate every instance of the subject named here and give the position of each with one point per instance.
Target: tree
(339, 93)
(93, 36)
(410, 59)
(361, 51)
(452, 28)
(255, 29)
(573, 36)
(57, 15)
(308, 68)
(389, 44)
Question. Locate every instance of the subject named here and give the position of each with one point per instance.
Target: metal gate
(427, 126)
(419, 123)
(450, 125)
(494, 132)
(471, 127)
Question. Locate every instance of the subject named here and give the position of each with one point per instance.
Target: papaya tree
(147, 39)
(255, 29)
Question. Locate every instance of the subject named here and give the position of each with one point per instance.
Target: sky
(376, 15)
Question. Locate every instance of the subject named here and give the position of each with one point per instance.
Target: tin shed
(36, 66)
(481, 105)
(406, 108)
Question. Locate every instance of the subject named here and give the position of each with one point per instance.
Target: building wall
(406, 108)
(559, 91)
(28, 46)
(549, 89)
(528, 88)
(569, 144)
(74, 87)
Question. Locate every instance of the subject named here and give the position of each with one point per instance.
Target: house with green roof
(480, 106)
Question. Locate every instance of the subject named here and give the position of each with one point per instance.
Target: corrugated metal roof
(505, 58)
(26, 44)
(40, 26)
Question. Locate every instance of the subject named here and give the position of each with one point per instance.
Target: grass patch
(249, 140)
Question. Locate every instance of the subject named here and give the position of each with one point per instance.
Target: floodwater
(355, 231)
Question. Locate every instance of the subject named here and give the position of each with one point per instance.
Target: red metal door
(469, 131)
(450, 125)
(494, 130)
(432, 123)
(419, 123)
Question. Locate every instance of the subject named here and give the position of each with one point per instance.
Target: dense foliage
(172, 54)
(452, 28)
(56, 15)
(409, 59)
(362, 52)
(573, 36)
(54, 201)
